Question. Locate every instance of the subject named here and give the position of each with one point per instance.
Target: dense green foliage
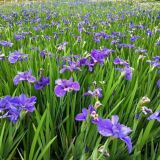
(51, 132)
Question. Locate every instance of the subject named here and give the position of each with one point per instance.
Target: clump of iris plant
(24, 76)
(12, 107)
(63, 86)
(107, 127)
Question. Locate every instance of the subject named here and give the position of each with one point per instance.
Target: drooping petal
(128, 142)
(59, 91)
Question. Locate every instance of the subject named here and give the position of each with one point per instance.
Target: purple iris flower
(44, 81)
(114, 42)
(149, 33)
(107, 128)
(26, 103)
(82, 116)
(100, 55)
(11, 107)
(96, 93)
(127, 72)
(6, 44)
(141, 51)
(71, 67)
(85, 112)
(16, 55)
(155, 62)
(131, 46)
(119, 61)
(44, 53)
(24, 76)
(134, 38)
(19, 36)
(63, 86)
(155, 116)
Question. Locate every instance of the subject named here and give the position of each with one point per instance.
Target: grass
(51, 132)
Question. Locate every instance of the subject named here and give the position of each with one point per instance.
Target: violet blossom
(24, 76)
(63, 86)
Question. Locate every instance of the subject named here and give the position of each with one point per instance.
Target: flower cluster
(11, 107)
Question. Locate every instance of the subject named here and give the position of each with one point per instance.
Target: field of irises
(79, 81)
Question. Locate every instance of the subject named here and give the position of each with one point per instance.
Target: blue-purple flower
(134, 38)
(16, 55)
(119, 61)
(44, 81)
(71, 67)
(155, 62)
(95, 93)
(155, 116)
(107, 128)
(82, 116)
(11, 107)
(24, 76)
(126, 71)
(63, 86)
(6, 44)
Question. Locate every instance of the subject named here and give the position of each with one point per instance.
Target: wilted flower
(146, 110)
(44, 81)
(63, 86)
(24, 76)
(16, 55)
(107, 128)
(144, 100)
